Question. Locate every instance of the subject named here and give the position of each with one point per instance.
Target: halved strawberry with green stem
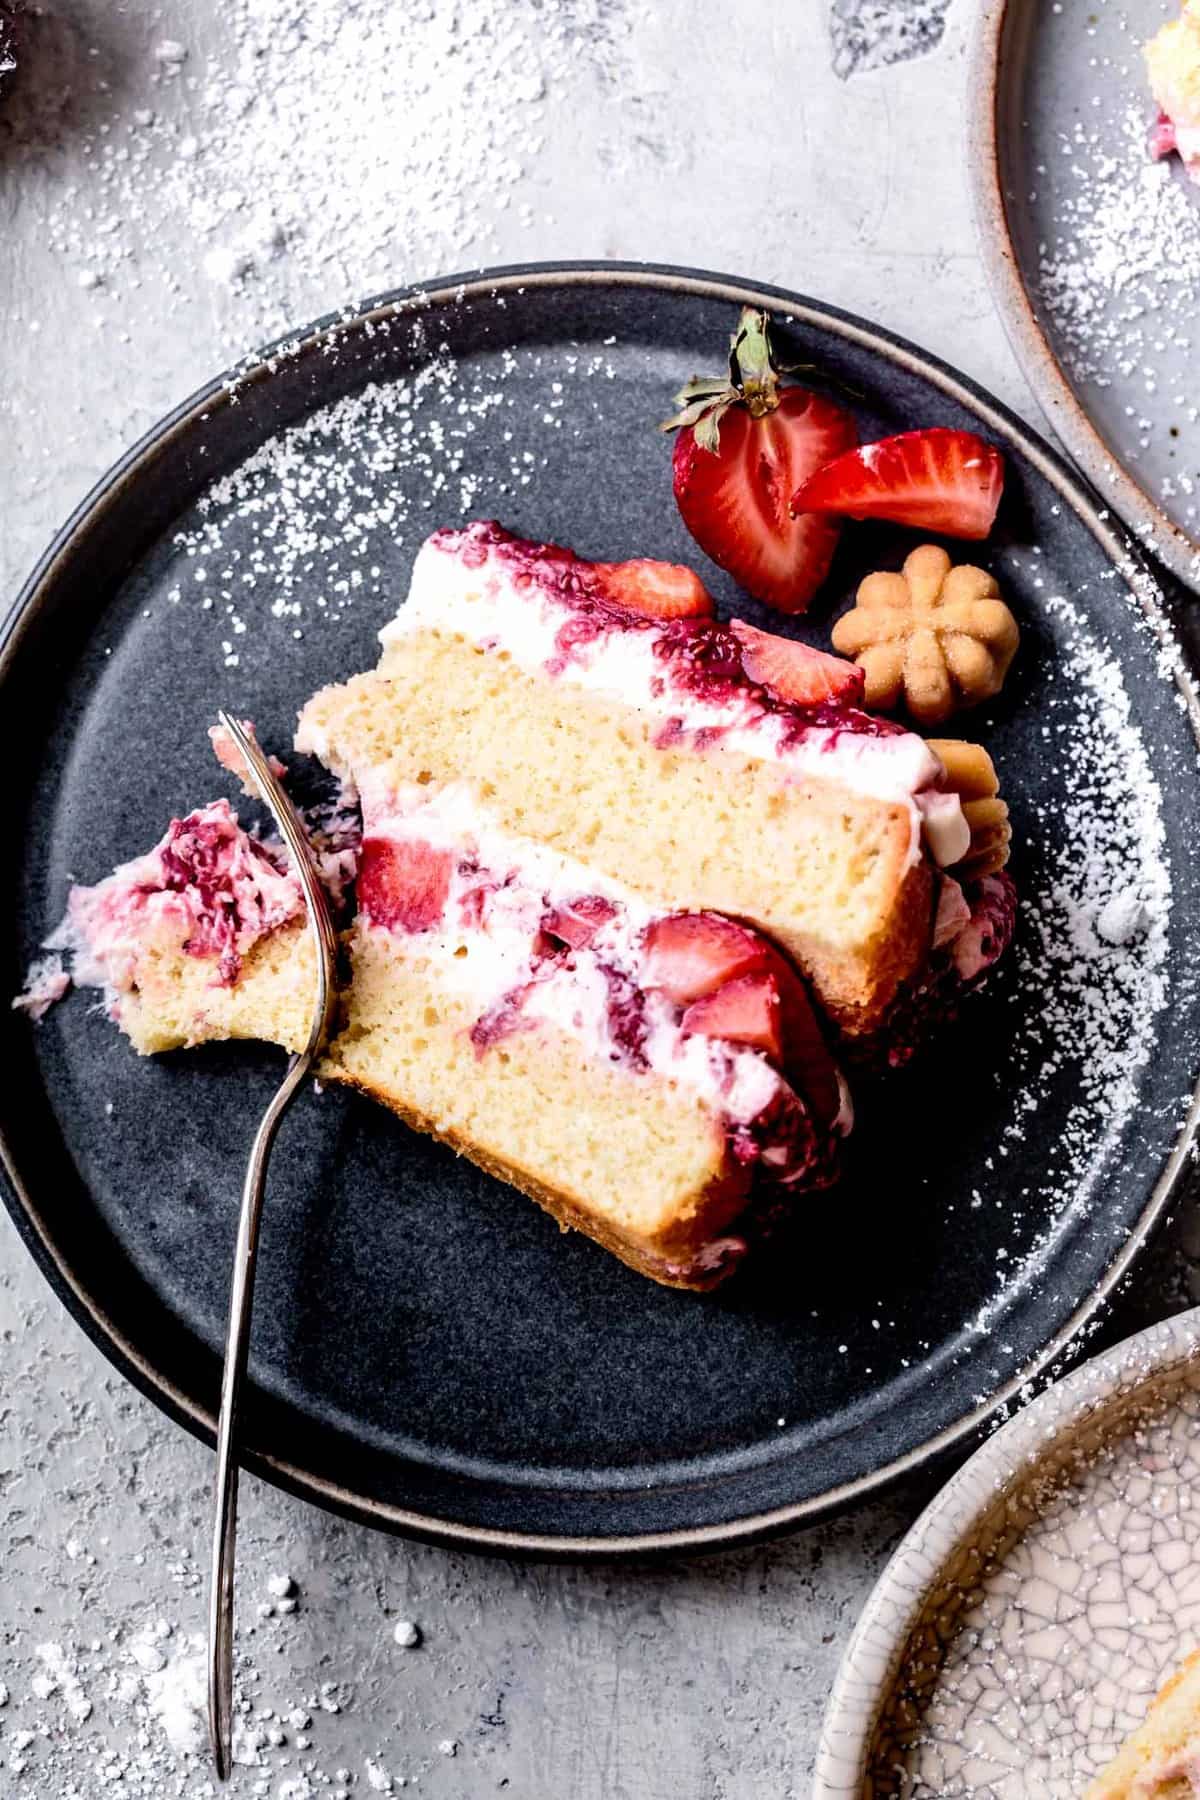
(745, 443)
(938, 480)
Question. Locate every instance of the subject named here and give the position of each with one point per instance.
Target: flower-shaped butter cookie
(934, 638)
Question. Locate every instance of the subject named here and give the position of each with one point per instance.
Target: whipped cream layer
(207, 888)
(531, 937)
(536, 604)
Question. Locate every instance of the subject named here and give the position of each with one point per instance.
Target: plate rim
(279, 1468)
(872, 1658)
(1060, 405)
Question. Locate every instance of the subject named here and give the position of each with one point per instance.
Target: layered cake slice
(657, 1080)
(602, 710)
(604, 848)
(1173, 62)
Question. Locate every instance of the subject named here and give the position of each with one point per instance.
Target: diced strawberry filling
(576, 922)
(403, 884)
(744, 1011)
(501, 1019)
(626, 1014)
(642, 992)
(737, 986)
(688, 955)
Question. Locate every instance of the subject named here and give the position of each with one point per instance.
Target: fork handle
(237, 1342)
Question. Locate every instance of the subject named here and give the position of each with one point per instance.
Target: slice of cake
(201, 938)
(598, 832)
(600, 709)
(655, 1079)
(1173, 62)
(1161, 1759)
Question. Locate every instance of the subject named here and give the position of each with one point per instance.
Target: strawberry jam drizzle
(699, 657)
(955, 970)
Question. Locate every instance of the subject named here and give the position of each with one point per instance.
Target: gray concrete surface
(740, 149)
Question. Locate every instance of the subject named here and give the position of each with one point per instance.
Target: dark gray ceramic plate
(1093, 252)
(429, 1352)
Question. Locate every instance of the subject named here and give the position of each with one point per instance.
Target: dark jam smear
(501, 1019)
(787, 1145)
(197, 858)
(626, 1015)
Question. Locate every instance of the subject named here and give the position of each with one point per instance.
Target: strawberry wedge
(689, 955)
(796, 672)
(744, 1011)
(655, 590)
(940, 480)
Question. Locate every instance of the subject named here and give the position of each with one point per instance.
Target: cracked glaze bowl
(1021, 1628)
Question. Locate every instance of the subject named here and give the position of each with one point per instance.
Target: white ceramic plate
(1020, 1630)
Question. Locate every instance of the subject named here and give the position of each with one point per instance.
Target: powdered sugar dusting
(126, 1714)
(175, 1686)
(319, 501)
(321, 147)
(1087, 1000)
(1122, 279)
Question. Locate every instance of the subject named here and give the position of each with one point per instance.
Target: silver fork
(320, 927)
